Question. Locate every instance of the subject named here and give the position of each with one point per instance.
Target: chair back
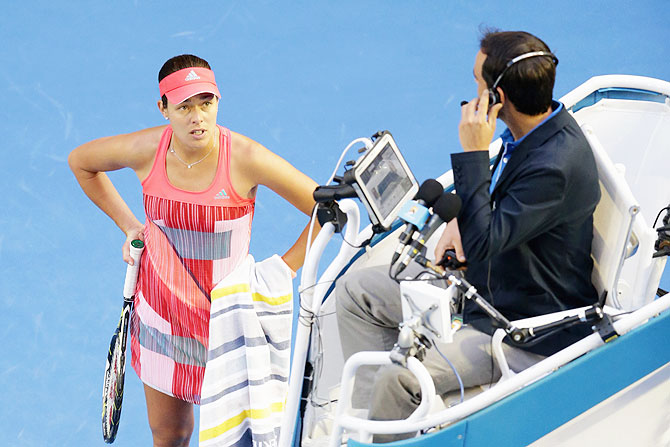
(622, 241)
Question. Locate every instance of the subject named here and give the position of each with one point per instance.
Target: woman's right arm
(90, 161)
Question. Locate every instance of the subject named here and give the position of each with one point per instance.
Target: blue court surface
(303, 78)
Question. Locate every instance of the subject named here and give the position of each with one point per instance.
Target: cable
(330, 281)
(391, 275)
(453, 368)
(659, 215)
(311, 318)
(313, 403)
(418, 276)
(318, 360)
(366, 141)
(363, 244)
(368, 144)
(433, 275)
(307, 320)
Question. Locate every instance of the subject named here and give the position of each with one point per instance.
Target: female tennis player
(199, 183)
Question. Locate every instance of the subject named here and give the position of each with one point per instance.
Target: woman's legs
(171, 420)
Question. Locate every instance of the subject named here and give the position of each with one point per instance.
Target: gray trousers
(368, 314)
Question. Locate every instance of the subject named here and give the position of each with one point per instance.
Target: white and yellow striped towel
(246, 375)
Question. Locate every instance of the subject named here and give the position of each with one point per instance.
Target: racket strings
(113, 391)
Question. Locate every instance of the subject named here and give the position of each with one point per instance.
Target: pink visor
(182, 84)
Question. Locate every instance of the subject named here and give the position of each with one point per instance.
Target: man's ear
(162, 109)
(501, 95)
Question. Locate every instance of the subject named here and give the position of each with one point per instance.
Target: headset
(494, 96)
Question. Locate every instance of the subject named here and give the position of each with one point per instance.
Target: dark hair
(179, 63)
(529, 83)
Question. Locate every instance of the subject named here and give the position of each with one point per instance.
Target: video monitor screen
(386, 181)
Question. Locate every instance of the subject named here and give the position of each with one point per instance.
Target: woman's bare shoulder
(140, 147)
(242, 143)
(246, 152)
(135, 150)
(145, 139)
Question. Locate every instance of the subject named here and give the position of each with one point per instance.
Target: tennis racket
(112, 389)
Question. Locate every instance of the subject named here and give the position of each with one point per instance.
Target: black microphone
(428, 193)
(445, 209)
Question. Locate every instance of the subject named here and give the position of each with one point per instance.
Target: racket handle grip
(136, 248)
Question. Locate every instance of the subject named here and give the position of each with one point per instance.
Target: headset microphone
(415, 212)
(445, 209)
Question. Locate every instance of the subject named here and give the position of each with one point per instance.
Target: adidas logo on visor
(192, 76)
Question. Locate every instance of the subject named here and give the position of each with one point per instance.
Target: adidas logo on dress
(221, 195)
(192, 76)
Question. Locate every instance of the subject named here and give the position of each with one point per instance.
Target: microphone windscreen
(429, 192)
(447, 206)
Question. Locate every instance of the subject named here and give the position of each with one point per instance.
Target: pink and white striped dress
(193, 240)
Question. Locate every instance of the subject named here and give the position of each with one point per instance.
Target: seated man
(526, 228)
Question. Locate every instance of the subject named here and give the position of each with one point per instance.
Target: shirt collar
(508, 138)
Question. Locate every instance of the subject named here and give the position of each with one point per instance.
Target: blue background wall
(303, 78)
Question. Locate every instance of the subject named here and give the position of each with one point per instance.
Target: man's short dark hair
(529, 83)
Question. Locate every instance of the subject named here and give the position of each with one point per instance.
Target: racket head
(112, 389)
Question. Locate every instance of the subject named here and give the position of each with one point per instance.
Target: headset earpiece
(494, 96)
